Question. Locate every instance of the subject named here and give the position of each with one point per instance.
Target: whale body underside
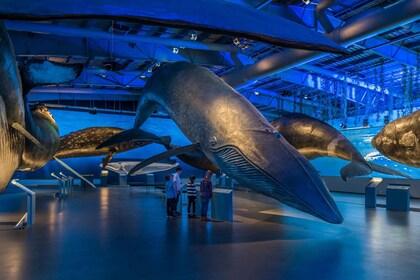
(234, 136)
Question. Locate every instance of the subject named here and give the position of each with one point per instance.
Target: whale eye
(213, 140)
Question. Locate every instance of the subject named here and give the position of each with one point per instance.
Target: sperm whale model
(91, 141)
(234, 135)
(314, 138)
(399, 140)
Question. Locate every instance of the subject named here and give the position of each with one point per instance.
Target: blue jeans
(204, 206)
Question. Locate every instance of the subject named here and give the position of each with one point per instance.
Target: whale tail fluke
(386, 170)
(355, 168)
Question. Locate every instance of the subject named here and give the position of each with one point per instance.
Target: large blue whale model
(400, 140)
(233, 134)
(213, 16)
(314, 138)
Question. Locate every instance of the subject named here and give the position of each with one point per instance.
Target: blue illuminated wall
(71, 121)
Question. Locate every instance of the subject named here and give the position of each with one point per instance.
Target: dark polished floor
(112, 234)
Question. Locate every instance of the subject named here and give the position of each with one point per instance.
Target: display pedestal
(370, 196)
(104, 178)
(222, 205)
(88, 177)
(398, 198)
(123, 180)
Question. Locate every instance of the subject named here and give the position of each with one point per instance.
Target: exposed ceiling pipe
(263, 4)
(62, 30)
(387, 19)
(322, 16)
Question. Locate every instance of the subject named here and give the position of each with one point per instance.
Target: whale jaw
(317, 202)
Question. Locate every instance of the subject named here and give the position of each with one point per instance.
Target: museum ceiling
(379, 72)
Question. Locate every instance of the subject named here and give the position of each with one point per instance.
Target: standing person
(177, 183)
(191, 192)
(206, 194)
(170, 196)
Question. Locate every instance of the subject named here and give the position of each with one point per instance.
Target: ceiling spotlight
(307, 2)
(193, 36)
(157, 64)
(175, 50)
(236, 41)
(256, 93)
(143, 76)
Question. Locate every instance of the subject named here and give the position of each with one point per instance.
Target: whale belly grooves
(234, 163)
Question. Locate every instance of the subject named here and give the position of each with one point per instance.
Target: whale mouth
(233, 162)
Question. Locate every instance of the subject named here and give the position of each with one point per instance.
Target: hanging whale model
(314, 138)
(29, 137)
(92, 142)
(12, 111)
(234, 135)
(200, 15)
(399, 140)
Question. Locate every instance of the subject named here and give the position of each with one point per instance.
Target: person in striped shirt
(192, 194)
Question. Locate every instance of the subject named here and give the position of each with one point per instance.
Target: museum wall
(69, 121)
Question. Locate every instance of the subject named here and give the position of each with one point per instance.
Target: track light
(307, 2)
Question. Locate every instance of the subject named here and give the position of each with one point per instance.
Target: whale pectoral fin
(108, 158)
(166, 140)
(386, 170)
(62, 163)
(130, 135)
(28, 135)
(167, 154)
(355, 168)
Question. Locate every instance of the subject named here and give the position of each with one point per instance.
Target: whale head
(265, 162)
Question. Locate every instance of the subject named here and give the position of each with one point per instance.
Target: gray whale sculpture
(314, 138)
(92, 141)
(234, 135)
(399, 140)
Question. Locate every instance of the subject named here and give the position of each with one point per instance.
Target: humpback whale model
(399, 140)
(215, 18)
(234, 136)
(314, 138)
(92, 142)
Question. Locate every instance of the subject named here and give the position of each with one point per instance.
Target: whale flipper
(133, 135)
(387, 170)
(355, 168)
(28, 135)
(108, 158)
(167, 154)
